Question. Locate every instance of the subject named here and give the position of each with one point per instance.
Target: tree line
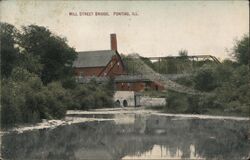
(227, 84)
(37, 77)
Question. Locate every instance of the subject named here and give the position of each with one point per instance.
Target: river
(130, 135)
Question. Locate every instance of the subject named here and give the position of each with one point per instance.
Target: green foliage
(193, 105)
(69, 83)
(183, 53)
(52, 51)
(204, 79)
(31, 63)
(131, 65)
(25, 99)
(176, 102)
(234, 93)
(93, 95)
(182, 103)
(37, 78)
(110, 87)
(228, 86)
(172, 67)
(186, 81)
(9, 53)
(241, 50)
(37, 50)
(148, 62)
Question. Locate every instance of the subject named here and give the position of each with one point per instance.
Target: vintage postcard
(125, 80)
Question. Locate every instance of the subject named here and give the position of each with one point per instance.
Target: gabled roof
(94, 58)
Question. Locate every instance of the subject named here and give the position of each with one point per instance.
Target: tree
(183, 53)
(54, 54)
(241, 50)
(171, 66)
(9, 54)
(204, 79)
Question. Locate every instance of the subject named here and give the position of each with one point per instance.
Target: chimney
(113, 42)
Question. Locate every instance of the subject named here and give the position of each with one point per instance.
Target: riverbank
(209, 112)
(118, 115)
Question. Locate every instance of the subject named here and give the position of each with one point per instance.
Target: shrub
(176, 102)
(92, 95)
(26, 100)
(204, 79)
(186, 81)
(194, 106)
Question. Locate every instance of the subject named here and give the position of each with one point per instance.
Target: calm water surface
(134, 136)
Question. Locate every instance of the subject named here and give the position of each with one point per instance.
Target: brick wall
(138, 86)
(116, 67)
(156, 86)
(135, 86)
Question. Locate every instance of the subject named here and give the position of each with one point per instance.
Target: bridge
(146, 73)
(152, 75)
(189, 57)
(171, 64)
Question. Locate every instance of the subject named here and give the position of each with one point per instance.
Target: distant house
(100, 63)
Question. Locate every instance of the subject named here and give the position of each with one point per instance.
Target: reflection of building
(108, 63)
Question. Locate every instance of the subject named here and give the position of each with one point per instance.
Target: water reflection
(141, 137)
(161, 152)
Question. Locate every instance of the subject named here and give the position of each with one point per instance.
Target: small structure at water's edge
(135, 99)
(126, 98)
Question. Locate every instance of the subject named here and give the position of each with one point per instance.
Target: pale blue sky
(162, 28)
